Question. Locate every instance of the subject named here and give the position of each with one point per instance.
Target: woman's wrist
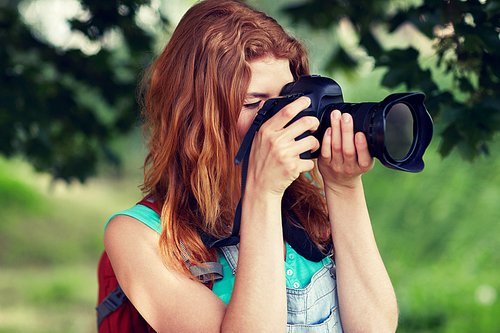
(256, 190)
(343, 188)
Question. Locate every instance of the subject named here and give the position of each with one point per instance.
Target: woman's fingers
(326, 151)
(343, 150)
(333, 147)
(348, 148)
(287, 113)
(284, 134)
(365, 160)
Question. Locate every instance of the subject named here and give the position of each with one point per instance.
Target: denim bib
(311, 309)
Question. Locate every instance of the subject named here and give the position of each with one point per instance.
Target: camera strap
(293, 231)
(242, 156)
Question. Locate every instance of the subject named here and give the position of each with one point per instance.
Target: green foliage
(467, 44)
(62, 108)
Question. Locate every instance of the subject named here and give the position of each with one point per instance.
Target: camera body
(323, 93)
(398, 129)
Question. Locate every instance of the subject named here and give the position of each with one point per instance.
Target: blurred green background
(437, 230)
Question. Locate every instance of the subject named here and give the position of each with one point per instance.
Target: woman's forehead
(269, 75)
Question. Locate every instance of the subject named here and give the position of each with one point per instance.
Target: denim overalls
(311, 309)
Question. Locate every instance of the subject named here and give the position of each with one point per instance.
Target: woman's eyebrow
(257, 95)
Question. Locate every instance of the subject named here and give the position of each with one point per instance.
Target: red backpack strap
(150, 202)
(115, 313)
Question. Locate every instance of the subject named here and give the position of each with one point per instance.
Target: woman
(223, 61)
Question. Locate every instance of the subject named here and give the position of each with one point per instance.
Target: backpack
(115, 312)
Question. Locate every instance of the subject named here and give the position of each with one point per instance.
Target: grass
(50, 242)
(55, 298)
(437, 231)
(439, 235)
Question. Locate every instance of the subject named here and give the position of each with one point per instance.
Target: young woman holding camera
(223, 61)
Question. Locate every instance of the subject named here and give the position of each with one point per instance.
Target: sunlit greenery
(437, 231)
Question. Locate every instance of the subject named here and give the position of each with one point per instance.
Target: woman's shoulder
(140, 213)
(132, 247)
(136, 223)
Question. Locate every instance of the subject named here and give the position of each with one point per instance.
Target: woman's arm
(274, 164)
(366, 296)
(259, 287)
(171, 302)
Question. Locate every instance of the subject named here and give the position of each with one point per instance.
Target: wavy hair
(192, 96)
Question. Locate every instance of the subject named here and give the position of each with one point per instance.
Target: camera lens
(399, 131)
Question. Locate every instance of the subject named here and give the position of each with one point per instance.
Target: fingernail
(360, 137)
(336, 114)
(346, 118)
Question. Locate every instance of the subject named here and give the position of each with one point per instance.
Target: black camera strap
(243, 155)
(293, 231)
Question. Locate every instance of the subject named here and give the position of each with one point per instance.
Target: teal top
(298, 269)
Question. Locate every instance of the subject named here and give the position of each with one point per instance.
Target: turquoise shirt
(298, 269)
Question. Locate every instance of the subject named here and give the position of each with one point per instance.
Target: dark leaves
(467, 39)
(61, 109)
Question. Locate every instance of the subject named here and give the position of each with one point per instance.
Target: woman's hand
(275, 157)
(344, 156)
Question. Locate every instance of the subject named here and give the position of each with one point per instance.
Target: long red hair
(193, 94)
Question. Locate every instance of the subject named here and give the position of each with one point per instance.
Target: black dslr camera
(398, 129)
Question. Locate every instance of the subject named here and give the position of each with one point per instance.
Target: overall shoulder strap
(231, 252)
